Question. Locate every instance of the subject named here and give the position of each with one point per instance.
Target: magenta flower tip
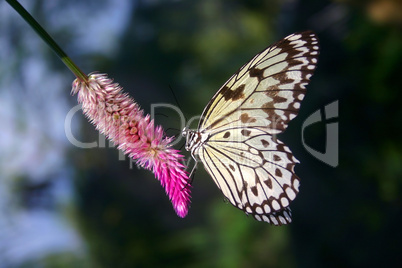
(117, 116)
(182, 210)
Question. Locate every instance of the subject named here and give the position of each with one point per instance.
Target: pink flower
(117, 116)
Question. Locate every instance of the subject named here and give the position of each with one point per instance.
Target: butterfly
(236, 136)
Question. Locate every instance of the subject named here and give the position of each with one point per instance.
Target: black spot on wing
(278, 172)
(265, 143)
(254, 190)
(233, 95)
(245, 118)
(245, 132)
(268, 182)
(255, 72)
(232, 167)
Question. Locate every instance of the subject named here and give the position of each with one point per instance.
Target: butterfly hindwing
(253, 171)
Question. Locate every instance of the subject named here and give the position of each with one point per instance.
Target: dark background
(344, 216)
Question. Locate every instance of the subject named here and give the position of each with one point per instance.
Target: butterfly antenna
(161, 114)
(174, 129)
(181, 147)
(175, 99)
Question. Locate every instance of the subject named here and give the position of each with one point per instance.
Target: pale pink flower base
(117, 116)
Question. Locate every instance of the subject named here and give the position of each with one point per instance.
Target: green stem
(48, 39)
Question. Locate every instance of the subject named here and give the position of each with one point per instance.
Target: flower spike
(119, 117)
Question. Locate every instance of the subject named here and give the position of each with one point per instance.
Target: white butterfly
(236, 137)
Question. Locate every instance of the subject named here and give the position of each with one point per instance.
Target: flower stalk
(48, 39)
(119, 117)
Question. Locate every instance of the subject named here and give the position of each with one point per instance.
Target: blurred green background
(63, 206)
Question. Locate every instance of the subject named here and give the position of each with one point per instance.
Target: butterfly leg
(192, 173)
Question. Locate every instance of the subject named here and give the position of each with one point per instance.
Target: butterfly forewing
(235, 142)
(267, 91)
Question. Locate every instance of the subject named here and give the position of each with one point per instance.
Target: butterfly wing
(253, 169)
(254, 172)
(267, 91)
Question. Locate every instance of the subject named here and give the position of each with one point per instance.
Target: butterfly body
(236, 136)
